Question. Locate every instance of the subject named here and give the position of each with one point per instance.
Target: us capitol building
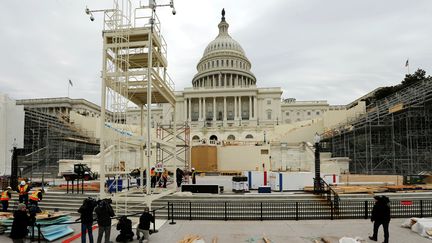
(224, 102)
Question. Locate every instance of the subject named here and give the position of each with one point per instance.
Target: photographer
(86, 212)
(104, 212)
(125, 227)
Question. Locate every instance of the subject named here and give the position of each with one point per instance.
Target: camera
(174, 11)
(92, 18)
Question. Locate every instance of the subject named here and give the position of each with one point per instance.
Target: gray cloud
(315, 50)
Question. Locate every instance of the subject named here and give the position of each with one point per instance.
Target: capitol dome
(224, 63)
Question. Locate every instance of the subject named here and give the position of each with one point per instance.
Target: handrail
(331, 195)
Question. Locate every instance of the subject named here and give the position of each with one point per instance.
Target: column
(240, 109)
(204, 109)
(225, 110)
(250, 107)
(214, 108)
(185, 109)
(190, 110)
(235, 108)
(255, 107)
(199, 109)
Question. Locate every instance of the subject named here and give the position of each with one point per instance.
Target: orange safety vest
(23, 189)
(152, 173)
(34, 196)
(4, 196)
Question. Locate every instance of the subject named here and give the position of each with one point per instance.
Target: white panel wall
(11, 131)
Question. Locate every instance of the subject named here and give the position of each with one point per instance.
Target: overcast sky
(333, 50)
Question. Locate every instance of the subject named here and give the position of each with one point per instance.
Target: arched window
(195, 138)
(231, 137)
(249, 136)
(269, 114)
(213, 137)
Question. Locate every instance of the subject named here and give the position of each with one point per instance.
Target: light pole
(152, 5)
(317, 180)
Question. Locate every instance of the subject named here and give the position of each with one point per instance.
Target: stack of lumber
(403, 188)
(49, 232)
(190, 239)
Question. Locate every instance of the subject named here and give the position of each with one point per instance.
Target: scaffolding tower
(393, 136)
(164, 154)
(49, 138)
(134, 74)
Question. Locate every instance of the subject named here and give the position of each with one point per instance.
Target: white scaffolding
(134, 74)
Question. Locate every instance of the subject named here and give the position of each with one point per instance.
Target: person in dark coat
(20, 223)
(86, 212)
(144, 225)
(104, 212)
(125, 227)
(381, 216)
(179, 177)
(193, 176)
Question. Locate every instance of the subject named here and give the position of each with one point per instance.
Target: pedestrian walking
(5, 197)
(86, 217)
(381, 216)
(144, 225)
(104, 212)
(193, 176)
(125, 227)
(20, 223)
(179, 177)
(23, 190)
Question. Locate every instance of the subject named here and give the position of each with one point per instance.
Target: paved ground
(276, 231)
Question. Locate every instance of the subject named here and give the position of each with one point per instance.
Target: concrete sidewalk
(277, 231)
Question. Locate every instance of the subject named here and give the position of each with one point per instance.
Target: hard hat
(9, 188)
(193, 168)
(23, 183)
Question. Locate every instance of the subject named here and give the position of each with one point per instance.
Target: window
(298, 113)
(195, 138)
(269, 114)
(309, 113)
(264, 151)
(287, 113)
(318, 113)
(268, 102)
(231, 137)
(249, 136)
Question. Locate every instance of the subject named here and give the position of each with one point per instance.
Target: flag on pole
(70, 82)
(407, 63)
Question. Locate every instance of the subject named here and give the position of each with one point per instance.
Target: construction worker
(35, 197)
(165, 177)
(5, 197)
(23, 190)
(153, 177)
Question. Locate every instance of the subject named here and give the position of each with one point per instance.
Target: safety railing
(289, 210)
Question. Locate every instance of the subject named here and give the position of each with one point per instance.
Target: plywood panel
(204, 158)
(394, 179)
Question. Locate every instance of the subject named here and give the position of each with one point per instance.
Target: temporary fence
(291, 210)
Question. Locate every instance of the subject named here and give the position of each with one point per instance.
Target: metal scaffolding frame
(134, 74)
(49, 138)
(164, 154)
(394, 136)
